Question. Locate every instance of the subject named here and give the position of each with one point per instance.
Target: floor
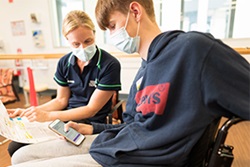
(4, 156)
(238, 136)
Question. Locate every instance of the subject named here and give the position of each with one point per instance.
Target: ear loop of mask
(138, 26)
(127, 19)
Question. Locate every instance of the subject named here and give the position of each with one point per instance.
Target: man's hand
(84, 129)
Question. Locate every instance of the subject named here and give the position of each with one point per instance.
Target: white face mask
(123, 41)
(85, 54)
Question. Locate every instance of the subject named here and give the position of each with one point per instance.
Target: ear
(136, 9)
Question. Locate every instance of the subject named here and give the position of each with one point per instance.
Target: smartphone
(71, 135)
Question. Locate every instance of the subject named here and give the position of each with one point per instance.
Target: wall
(239, 43)
(21, 10)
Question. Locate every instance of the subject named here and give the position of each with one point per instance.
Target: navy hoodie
(188, 80)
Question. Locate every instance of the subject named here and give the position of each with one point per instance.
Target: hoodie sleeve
(225, 81)
(98, 127)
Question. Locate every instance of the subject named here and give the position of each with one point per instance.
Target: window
(214, 16)
(59, 9)
(222, 18)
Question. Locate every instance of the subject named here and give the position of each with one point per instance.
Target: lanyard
(98, 67)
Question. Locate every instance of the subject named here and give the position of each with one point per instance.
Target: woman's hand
(84, 129)
(15, 112)
(36, 114)
(32, 114)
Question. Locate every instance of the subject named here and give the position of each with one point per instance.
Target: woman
(87, 78)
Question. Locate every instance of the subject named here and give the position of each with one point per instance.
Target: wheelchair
(211, 150)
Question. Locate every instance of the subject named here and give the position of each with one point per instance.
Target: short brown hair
(74, 19)
(105, 7)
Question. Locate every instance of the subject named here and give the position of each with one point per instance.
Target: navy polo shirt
(103, 72)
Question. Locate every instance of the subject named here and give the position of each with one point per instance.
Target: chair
(210, 150)
(33, 89)
(115, 114)
(8, 93)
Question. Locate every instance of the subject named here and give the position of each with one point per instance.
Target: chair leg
(38, 97)
(4, 141)
(27, 103)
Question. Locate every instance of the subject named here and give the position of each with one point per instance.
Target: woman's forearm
(53, 105)
(72, 114)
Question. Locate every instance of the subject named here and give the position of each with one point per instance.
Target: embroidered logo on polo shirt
(152, 98)
(70, 81)
(92, 83)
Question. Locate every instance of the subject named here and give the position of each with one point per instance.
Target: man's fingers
(70, 124)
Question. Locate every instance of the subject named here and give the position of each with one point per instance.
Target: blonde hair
(105, 7)
(75, 19)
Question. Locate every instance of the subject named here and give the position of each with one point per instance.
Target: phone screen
(72, 135)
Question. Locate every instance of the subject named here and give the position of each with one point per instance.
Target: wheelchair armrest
(230, 122)
(222, 133)
(221, 153)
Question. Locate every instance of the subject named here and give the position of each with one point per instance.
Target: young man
(186, 81)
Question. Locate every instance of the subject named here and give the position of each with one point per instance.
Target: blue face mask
(85, 54)
(122, 41)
